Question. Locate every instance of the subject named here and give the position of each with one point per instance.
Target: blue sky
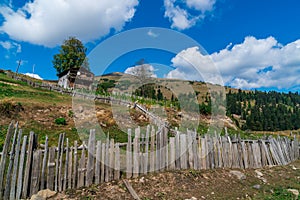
(253, 44)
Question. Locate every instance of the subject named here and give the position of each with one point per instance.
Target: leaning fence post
(4, 154)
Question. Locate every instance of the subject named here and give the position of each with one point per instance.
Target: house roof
(73, 72)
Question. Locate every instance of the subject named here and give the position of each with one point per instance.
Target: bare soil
(203, 184)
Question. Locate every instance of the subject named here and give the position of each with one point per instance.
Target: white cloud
(180, 15)
(8, 45)
(146, 69)
(36, 76)
(49, 22)
(152, 34)
(191, 64)
(255, 63)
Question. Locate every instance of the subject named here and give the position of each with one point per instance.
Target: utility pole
(20, 61)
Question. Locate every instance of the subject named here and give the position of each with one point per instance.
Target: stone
(257, 186)
(43, 195)
(238, 174)
(258, 173)
(295, 192)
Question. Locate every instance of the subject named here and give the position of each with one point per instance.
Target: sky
(248, 44)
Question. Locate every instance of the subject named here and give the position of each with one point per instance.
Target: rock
(80, 109)
(238, 174)
(142, 180)
(43, 195)
(295, 192)
(257, 186)
(258, 173)
(294, 168)
(193, 198)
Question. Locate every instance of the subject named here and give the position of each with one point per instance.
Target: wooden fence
(25, 169)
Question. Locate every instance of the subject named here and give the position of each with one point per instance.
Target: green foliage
(71, 55)
(70, 113)
(60, 121)
(265, 111)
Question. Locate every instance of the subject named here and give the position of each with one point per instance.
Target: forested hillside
(268, 111)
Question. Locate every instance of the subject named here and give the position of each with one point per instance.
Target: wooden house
(76, 78)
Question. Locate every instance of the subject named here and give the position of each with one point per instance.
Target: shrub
(60, 121)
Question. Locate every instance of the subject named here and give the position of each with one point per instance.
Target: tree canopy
(72, 54)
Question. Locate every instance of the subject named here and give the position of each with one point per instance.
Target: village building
(76, 78)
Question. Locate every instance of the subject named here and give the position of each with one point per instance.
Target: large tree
(72, 54)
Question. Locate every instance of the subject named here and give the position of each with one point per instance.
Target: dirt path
(266, 183)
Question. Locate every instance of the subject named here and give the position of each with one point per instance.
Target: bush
(60, 121)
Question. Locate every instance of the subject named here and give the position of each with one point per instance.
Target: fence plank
(60, 170)
(44, 164)
(9, 135)
(129, 156)
(146, 150)
(102, 178)
(75, 168)
(183, 151)
(82, 169)
(21, 167)
(117, 163)
(172, 153)
(35, 174)
(152, 150)
(98, 163)
(65, 182)
(106, 174)
(15, 167)
(51, 168)
(111, 160)
(90, 159)
(10, 165)
(70, 168)
(57, 163)
(28, 164)
(136, 153)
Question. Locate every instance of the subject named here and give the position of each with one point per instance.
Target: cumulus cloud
(49, 22)
(255, 63)
(36, 76)
(180, 13)
(9, 45)
(192, 64)
(146, 70)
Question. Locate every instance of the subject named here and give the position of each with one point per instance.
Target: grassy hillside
(41, 110)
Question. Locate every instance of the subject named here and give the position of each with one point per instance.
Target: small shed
(76, 78)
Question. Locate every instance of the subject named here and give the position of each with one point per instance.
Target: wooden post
(90, 162)
(98, 163)
(44, 164)
(21, 167)
(35, 176)
(129, 156)
(82, 168)
(111, 160)
(172, 153)
(75, 169)
(10, 165)
(15, 168)
(117, 163)
(28, 165)
(9, 135)
(57, 163)
(70, 168)
(136, 153)
(66, 166)
(152, 150)
(51, 168)
(60, 170)
(102, 178)
(183, 149)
